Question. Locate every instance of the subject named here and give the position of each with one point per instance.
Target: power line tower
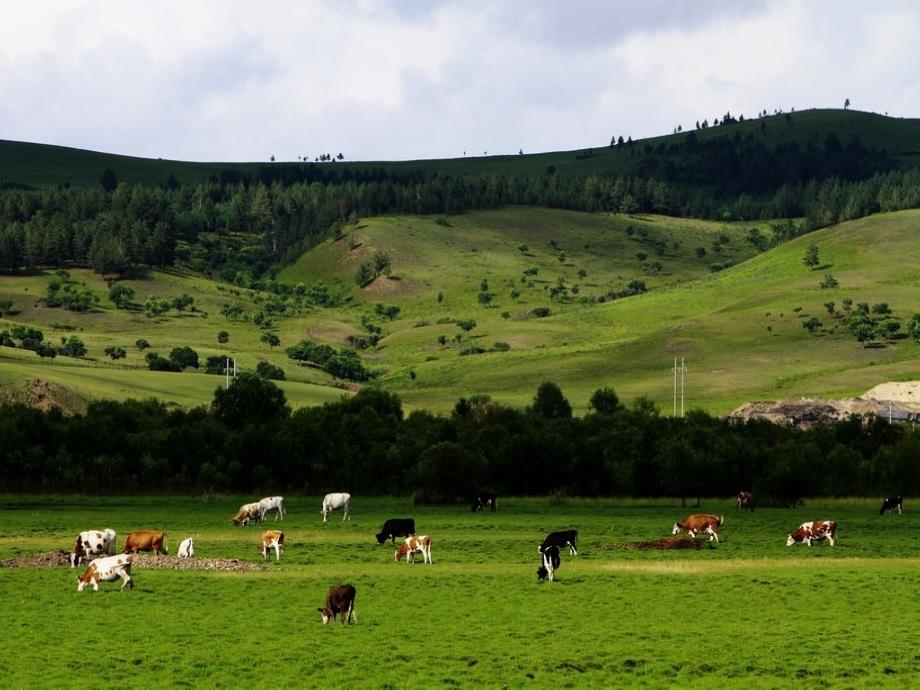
(230, 369)
(681, 370)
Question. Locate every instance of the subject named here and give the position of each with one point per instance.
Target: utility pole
(230, 370)
(674, 369)
(679, 370)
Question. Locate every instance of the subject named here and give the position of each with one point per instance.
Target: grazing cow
(890, 504)
(146, 540)
(107, 569)
(484, 500)
(708, 524)
(272, 503)
(334, 502)
(745, 501)
(396, 527)
(247, 512)
(272, 539)
(565, 538)
(816, 530)
(92, 543)
(414, 544)
(340, 599)
(550, 563)
(187, 548)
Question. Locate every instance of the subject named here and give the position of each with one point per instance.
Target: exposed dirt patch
(659, 544)
(45, 395)
(53, 559)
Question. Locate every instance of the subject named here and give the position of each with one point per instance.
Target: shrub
(157, 363)
(116, 352)
(223, 337)
(72, 347)
(541, 312)
(270, 339)
(501, 346)
(829, 281)
(270, 371)
(184, 357)
(121, 295)
(467, 324)
(141, 344)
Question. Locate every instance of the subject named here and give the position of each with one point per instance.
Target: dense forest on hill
(250, 440)
(287, 208)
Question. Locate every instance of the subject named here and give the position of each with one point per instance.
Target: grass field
(739, 329)
(43, 165)
(749, 612)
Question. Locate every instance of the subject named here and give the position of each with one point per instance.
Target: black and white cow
(396, 527)
(92, 543)
(482, 501)
(550, 563)
(891, 503)
(565, 539)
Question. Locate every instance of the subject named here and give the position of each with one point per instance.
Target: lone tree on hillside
(846, 104)
(811, 258)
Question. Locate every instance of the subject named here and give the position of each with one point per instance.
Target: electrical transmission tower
(231, 370)
(681, 369)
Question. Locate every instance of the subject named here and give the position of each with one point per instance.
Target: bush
(116, 352)
(467, 324)
(184, 357)
(270, 371)
(501, 347)
(141, 344)
(541, 312)
(72, 347)
(270, 339)
(120, 295)
(223, 337)
(157, 363)
(216, 364)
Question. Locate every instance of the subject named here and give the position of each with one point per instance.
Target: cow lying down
(107, 569)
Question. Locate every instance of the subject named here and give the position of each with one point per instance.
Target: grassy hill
(740, 329)
(42, 165)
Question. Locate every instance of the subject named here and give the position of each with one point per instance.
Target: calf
(396, 527)
(146, 540)
(272, 503)
(334, 502)
(484, 500)
(890, 504)
(816, 530)
(272, 539)
(107, 569)
(340, 599)
(92, 543)
(550, 563)
(708, 524)
(247, 512)
(745, 501)
(565, 538)
(187, 548)
(413, 545)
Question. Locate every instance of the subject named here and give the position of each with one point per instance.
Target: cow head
(675, 529)
(790, 539)
(542, 573)
(382, 538)
(400, 552)
(326, 614)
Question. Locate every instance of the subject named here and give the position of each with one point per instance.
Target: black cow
(550, 563)
(340, 600)
(396, 527)
(483, 500)
(890, 504)
(565, 538)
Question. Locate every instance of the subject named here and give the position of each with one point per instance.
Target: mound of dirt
(45, 395)
(905, 392)
(660, 544)
(52, 559)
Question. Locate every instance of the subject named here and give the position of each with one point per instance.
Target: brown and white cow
(414, 544)
(745, 501)
(816, 530)
(146, 540)
(92, 543)
(107, 569)
(272, 539)
(340, 599)
(707, 524)
(247, 512)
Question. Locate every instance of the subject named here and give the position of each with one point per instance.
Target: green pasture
(43, 165)
(748, 612)
(740, 330)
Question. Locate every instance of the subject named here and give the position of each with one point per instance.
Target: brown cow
(414, 544)
(272, 539)
(340, 599)
(708, 524)
(745, 500)
(146, 540)
(247, 512)
(816, 530)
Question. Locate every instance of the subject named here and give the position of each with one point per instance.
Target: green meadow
(746, 612)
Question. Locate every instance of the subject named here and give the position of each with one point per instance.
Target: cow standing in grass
(745, 501)
(483, 501)
(186, 548)
(248, 512)
(334, 502)
(272, 503)
(396, 527)
(340, 600)
(272, 539)
(891, 503)
(92, 543)
(549, 563)
(107, 569)
(414, 544)
(146, 540)
(816, 530)
(700, 523)
(565, 539)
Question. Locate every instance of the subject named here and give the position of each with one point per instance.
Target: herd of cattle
(98, 547)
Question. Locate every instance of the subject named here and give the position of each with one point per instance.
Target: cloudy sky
(233, 80)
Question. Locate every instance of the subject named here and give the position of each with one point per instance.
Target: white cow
(272, 503)
(107, 569)
(92, 543)
(187, 548)
(334, 502)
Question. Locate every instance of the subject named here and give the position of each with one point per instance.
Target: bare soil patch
(52, 559)
(659, 544)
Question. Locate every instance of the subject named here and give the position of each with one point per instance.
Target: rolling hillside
(740, 329)
(43, 165)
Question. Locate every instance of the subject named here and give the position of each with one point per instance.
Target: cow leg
(277, 552)
(830, 539)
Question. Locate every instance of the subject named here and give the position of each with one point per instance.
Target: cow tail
(721, 520)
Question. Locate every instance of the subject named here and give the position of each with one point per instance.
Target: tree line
(249, 440)
(287, 208)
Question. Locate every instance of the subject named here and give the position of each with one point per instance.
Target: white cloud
(227, 80)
